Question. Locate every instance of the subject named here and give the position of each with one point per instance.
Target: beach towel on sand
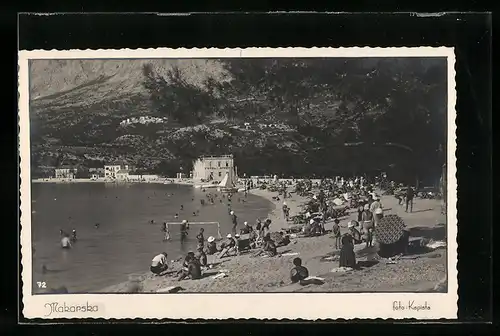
(341, 269)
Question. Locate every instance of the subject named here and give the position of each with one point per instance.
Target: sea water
(125, 241)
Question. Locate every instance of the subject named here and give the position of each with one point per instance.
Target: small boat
(227, 185)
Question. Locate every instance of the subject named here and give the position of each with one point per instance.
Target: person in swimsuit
(184, 230)
(200, 238)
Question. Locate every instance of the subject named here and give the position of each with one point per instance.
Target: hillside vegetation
(289, 116)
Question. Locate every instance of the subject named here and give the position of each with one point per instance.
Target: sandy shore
(246, 274)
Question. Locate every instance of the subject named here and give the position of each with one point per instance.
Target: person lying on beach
(159, 264)
(298, 272)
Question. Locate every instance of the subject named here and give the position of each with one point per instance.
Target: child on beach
(299, 272)
(336, 233)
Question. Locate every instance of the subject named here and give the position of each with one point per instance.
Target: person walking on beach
(409, 198)
(234, 220)
(159, 264)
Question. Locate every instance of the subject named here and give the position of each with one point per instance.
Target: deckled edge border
(450, 168)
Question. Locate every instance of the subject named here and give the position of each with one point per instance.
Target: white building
(110, 171)
(214, 168)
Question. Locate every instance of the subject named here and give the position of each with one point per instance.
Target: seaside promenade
(247, 274)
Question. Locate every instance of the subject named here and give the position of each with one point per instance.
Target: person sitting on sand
(299, 272)
(228, 246)
(336, 233)
(246, 228)
(347, 256)
(269, 248)
(201, 256)
(191, 268)
(355, 234)
(211, 246)
(159, 264)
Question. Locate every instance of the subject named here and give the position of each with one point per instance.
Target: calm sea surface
(126, 241)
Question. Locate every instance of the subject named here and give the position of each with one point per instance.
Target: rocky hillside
(287, 116)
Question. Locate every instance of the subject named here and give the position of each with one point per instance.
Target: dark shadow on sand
(423, 210)
(435, 233)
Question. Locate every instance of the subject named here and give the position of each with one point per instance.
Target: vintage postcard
(238, 183)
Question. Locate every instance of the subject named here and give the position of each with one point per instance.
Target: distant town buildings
(214, 168)
(65, 172)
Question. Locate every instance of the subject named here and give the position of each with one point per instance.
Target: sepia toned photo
(253, 183)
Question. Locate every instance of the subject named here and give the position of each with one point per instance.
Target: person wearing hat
(159, 264)
(246, 228)
(227, 245)
(353, 231)
(211, 246)
(347, 255)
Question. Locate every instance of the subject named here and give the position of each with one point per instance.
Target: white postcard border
(308, 306)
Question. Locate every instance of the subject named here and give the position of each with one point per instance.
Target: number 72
(41, 284)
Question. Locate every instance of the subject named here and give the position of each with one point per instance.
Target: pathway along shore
(247, 274)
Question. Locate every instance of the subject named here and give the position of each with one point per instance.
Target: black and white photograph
(235, 172)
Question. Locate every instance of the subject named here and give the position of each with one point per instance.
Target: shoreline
(247, 274)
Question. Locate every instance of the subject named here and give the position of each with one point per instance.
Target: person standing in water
(65, 242)
(184, 230)
(73, 236)
(200, 238)
(166, 231)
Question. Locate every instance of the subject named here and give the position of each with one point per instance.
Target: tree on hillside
(174, 97)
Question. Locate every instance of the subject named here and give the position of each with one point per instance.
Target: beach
(244, 273)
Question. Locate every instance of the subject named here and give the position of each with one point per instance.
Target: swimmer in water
(182, 207)
(194, 213)
(96, 225)
(73, 236)
(152, 221)
(65, 242)
(176, 216)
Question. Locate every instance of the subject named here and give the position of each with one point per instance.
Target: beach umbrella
(390, 229)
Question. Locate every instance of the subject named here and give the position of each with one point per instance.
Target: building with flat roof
(214, 168)
(65, 172)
